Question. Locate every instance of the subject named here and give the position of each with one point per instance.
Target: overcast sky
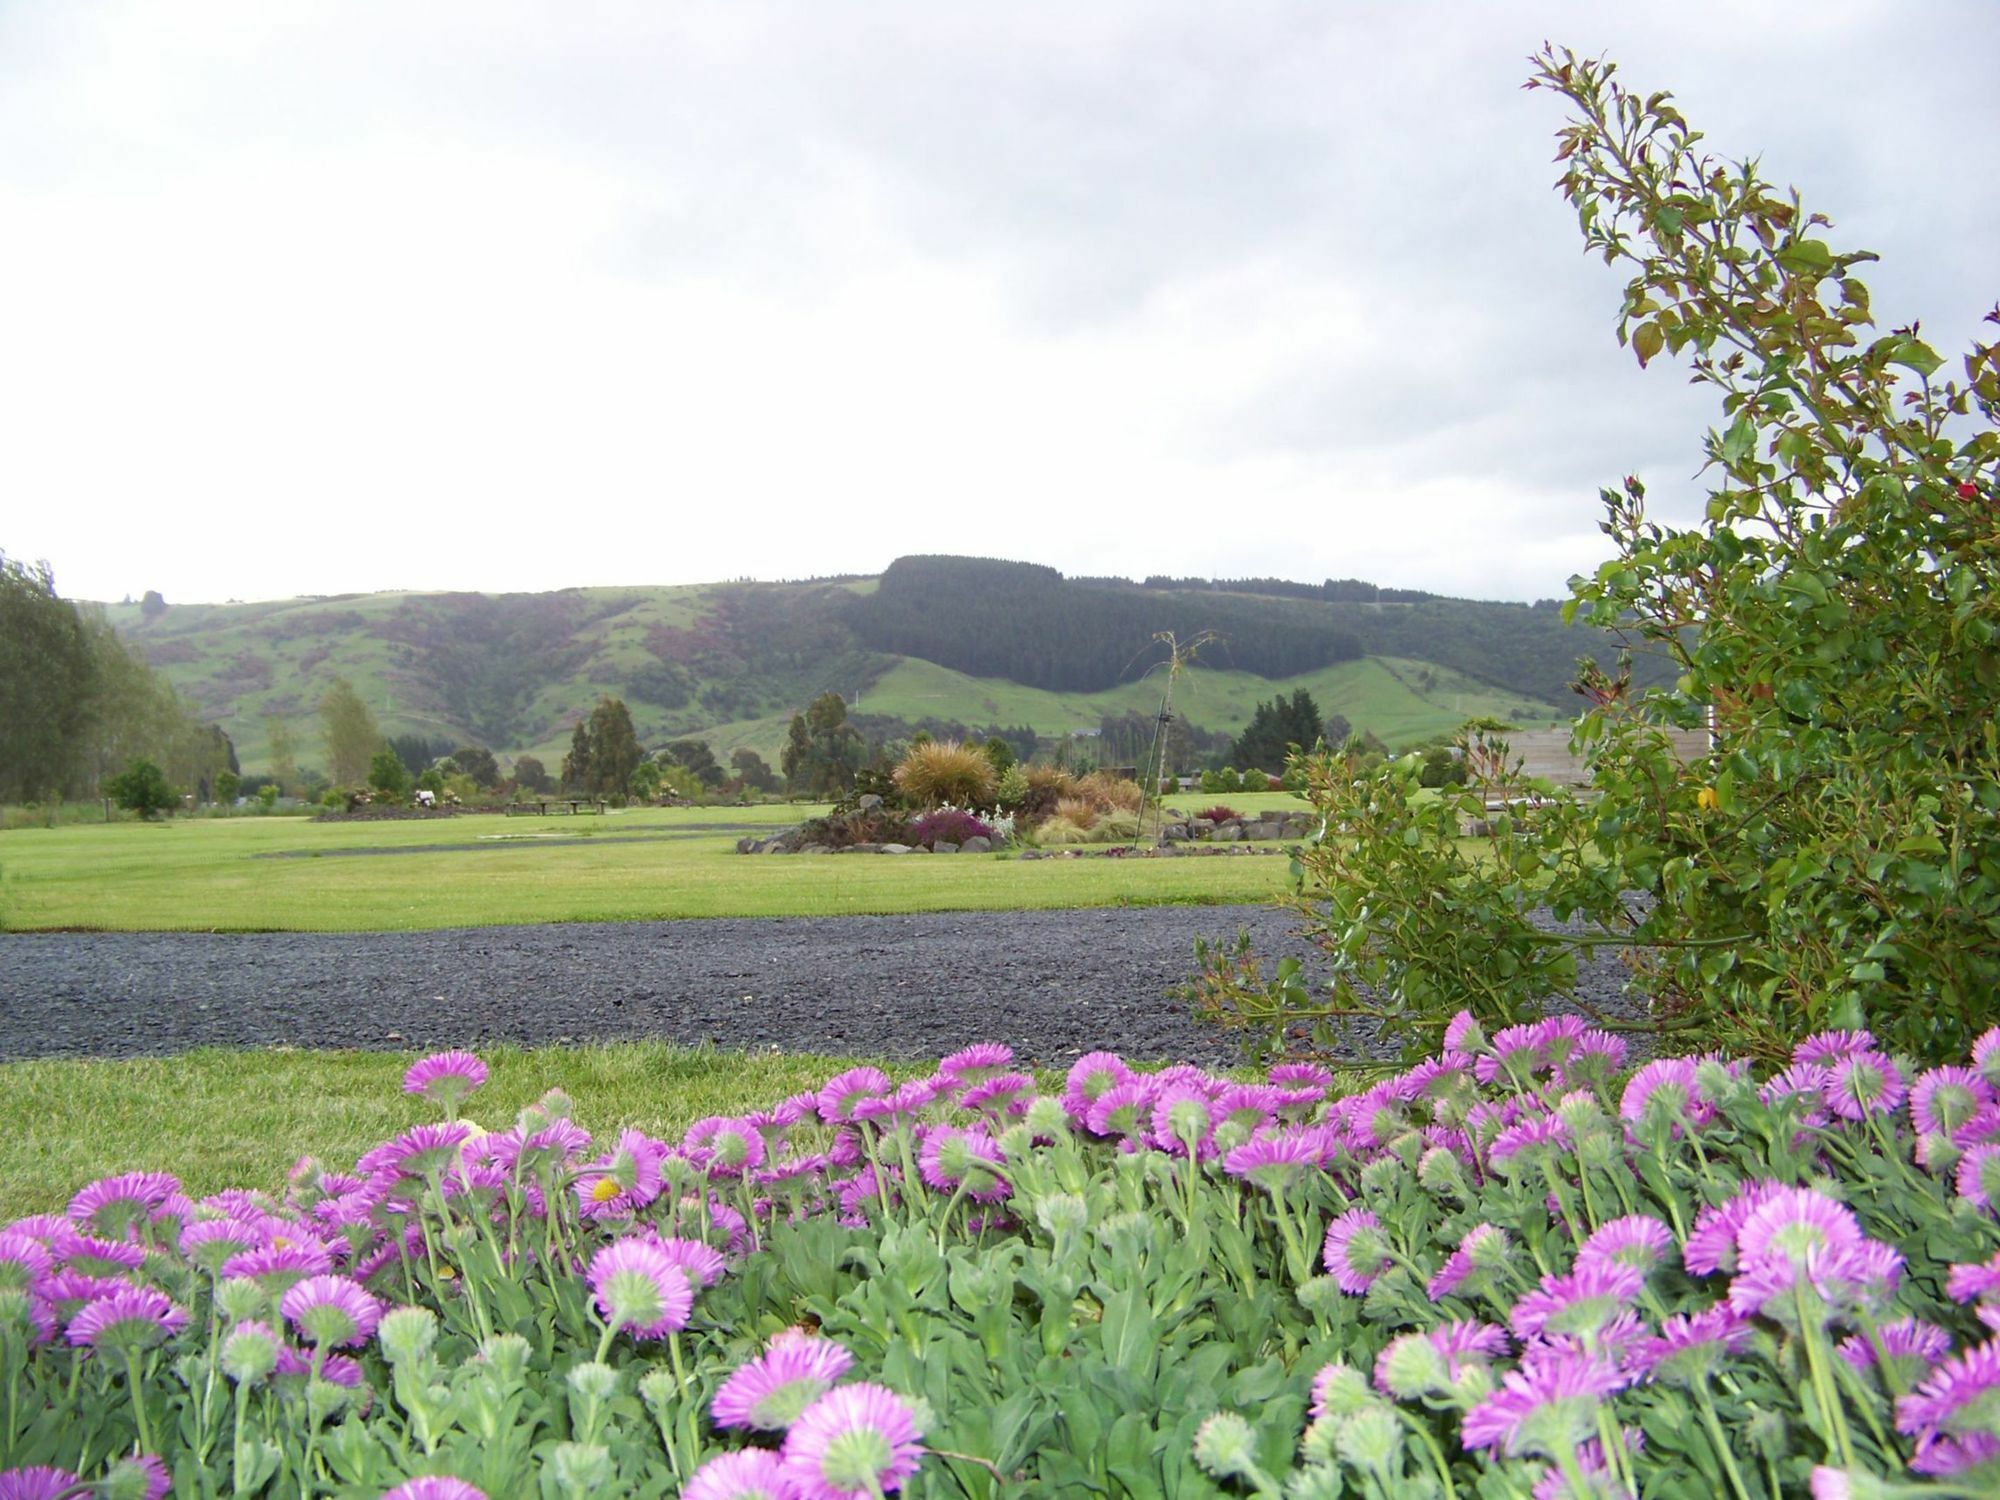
(324, 297)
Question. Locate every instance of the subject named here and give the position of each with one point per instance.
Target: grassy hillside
(732, 662)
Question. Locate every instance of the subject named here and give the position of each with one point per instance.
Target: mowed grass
(220, 1118)
(295, 875)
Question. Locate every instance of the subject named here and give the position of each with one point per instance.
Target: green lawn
(219, 1118)
(291, 874)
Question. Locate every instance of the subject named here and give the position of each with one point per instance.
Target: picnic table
(541, 805)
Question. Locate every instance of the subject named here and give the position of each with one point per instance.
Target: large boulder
(894, 849)
(944, 846)
(977, 844)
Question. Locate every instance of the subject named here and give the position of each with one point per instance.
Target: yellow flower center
(607, 1188)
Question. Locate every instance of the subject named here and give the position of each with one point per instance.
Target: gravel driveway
(1053, 984)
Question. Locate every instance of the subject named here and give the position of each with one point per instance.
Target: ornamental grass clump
(945, 771)
(1514, 1269)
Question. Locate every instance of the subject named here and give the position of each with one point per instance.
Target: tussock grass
(945, 771)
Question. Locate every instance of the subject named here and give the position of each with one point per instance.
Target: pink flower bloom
(1533, 1140)
(1637, 1240)
(1863, 1083)
(1961, 1397)
(111, 1205)
(854, 1441)
(445, 1077)
(903, 1103)
(439, 1487)
(1979, 1176)
(1910, 1339)
(1547, 1406)
(772, 1390)
(1274, 1163)
(1300, 1075)
(953, 1157)
(637, 1286)
(1124, 1109)
(1979, 1285)
(150, 1471)
(1356, 1251)
(1091, 1076)
(1791, 1221)
(1003, 1096)
(95, 1257)
(331, 1311)
(980, 1061)
(1579, 1304)
(724, 1147)
(424, 1149)
(1518, 1055)
(131, 1317)
(1664, 1088)
(703, 1264)
(1484, 1247)
(24, 1262)
(1943, 1099)
(1690, 1345)
(751, 1474)
(839, 1094)
(1986, 1055)
(1828, 1047)
(1184, 1112)
(1464, 1034)
(623, 1180)
(39, 1482)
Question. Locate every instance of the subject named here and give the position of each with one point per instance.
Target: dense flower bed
(1513, 1270)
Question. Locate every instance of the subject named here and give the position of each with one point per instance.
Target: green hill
(732, 662)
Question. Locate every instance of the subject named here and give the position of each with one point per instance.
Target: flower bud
(250, 1353)
(580, 1469)
(1439, 1172)
(594, 1381)
(1380, 1176)
(1411, 1367)
(407, 1334)
(1225, 1446)
(1340, 1390)
(1062, 1213)
(1320, 1296)
(1048, 1119)
(506, 1355)
(1371, 1439)
(240, 1298)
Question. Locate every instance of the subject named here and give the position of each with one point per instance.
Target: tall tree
(615, 751)
(352, 735)
(530, 774)
(822, 750)
(576, 766)
(753, 770)
(283, 757)
(45, 677)
(1275, 728)
(699, 759)
(478, 763)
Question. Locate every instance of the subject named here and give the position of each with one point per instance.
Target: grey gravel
(1053, 985)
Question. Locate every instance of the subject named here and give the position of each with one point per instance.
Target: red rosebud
(1968, 491)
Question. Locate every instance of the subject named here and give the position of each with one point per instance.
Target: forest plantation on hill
(953, 645)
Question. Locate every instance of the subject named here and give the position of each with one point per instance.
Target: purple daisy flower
(1944, 1099)
(752, 1474)
(1579, 1304)
(1300, 1075)
(1637, 1240)
(1791, 1221)
(1275, 1163)
(1844, 1279)
(112, 1205)
(1979, 1285)
(1663, 1089)
(1978, 1177)
(1124, 1109)
(132, 1317)
(852, 1443)
(25, 1263)
(1517, 1055)
(331, 1311)
(623, 1180)
(1090, 1077)
(1356, 1252)
(445, 1078)
(1952, 1457)
(903, 1103)
(210, 1242)
(1863, 1083)
(1184, 1120)
(703, 1264)
(1912, 1344)
(336, 1369)
(1690, 1345)
(772, 1390)
(143, 1468)
(1467, 1339)
(725, 1147)
(638, 1286)
(1547, 1406)
(1483, 1249)
(282, 1263)
(1005, 1095)
(1534, 1140)
(1247, 1108)
(1960, 1398)
(953, 1159)
(96, 1257)
(38, 1482)
(839, 1094)
(424, 1149)
(1463, 1034)
(437, 1487)
(1986, 1055)
(977, 1063)
(1828, 1047)
(1711, 1245)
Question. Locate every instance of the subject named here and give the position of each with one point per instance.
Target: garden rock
(868, 803)
(977, 844)
(944, 846)
(891, 849)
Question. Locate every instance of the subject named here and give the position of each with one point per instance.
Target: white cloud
(311, 298)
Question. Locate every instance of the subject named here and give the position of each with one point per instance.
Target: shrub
(951, 825)
(1046, 786)
(1078, 810)
(141, 788)
(946, 771)
(1831, 857)
(1011, 790)
(841, 830)
(1109, 792)
(1220, 813)
(1058, 832)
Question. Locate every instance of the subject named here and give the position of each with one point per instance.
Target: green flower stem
(137, 1383)
(1429, 1440)
(1706, 1405)
(1829, 1400)
(690, 1411)
(1557, 1189)
(604, 1344)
